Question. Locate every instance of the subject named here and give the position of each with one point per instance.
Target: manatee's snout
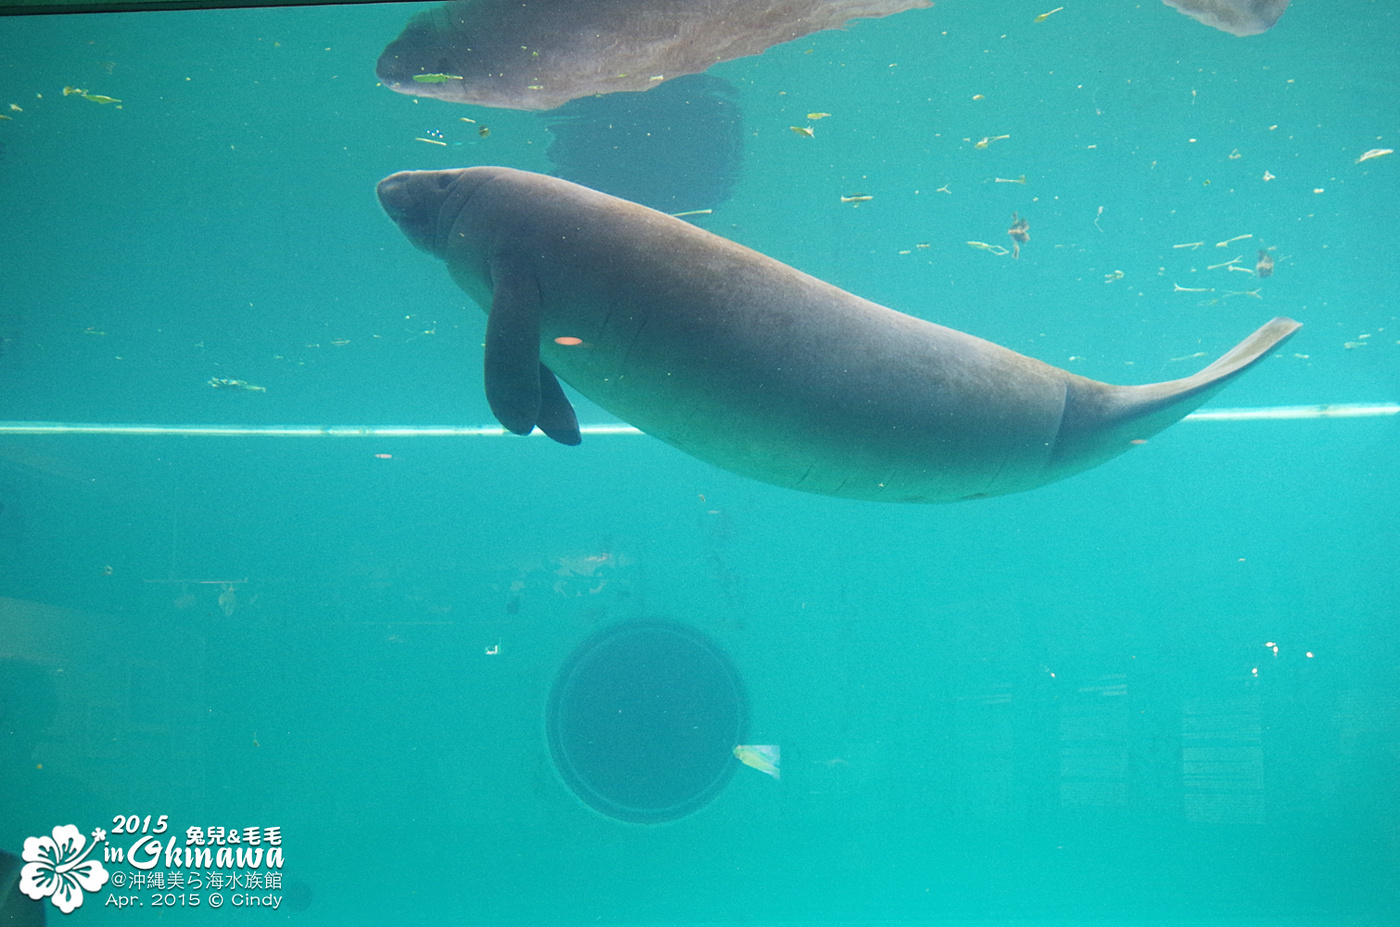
(400, 196)
(413, 199)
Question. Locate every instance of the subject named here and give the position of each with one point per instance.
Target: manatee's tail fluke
(1102, 421)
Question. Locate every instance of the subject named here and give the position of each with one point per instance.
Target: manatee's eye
(444, 181)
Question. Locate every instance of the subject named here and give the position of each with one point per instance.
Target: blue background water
(1052, 706)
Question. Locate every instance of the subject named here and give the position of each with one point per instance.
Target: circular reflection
(643, 719)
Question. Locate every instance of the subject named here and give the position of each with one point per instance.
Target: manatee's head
(425, 204)
(427, 59)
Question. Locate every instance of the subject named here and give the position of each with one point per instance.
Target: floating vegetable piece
(857, 198)
(94, 97)
(983, 246)
(436, 78)
(763, 757)
(803, 130)
(815, 116)
(1237, 17)
(989, 139)
(1264, 267)
(1375, 153)
(580, 48)
(1044, 16)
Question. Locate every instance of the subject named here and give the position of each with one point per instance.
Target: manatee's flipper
(556, 418)
(1100, 421)
(512, 361)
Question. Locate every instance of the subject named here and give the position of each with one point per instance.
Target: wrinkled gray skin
(751, 365)
(1237, 17)
(537, 54)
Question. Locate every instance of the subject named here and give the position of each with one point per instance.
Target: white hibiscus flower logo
(57, 867)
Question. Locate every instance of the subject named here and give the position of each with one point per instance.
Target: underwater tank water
(282, 608)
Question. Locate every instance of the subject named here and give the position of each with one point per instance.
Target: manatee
(754, 366)
(1237, 17)
(541, 53)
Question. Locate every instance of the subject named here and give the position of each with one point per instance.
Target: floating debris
(690, 212)
(1021, 180)
(1192, 245)
(1020, 233)
(1178, 288)
(1046, 15)
(987, 140)
(803, 130)
(815, 116)
(1116, 275)
(762, 757)
(94, 97)
(430, 141)
(226, 383)
(1229, 241)
(1375, 153)
(857, 198)
(983, 246)
(1229, 263)
(1264, 267)
(436, 78)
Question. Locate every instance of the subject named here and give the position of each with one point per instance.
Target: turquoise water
(1058, 707)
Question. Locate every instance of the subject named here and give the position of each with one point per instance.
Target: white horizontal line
(1324, 410)
(286, 431)
(1267, 413)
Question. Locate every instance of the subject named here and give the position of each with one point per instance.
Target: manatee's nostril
(445, 180)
